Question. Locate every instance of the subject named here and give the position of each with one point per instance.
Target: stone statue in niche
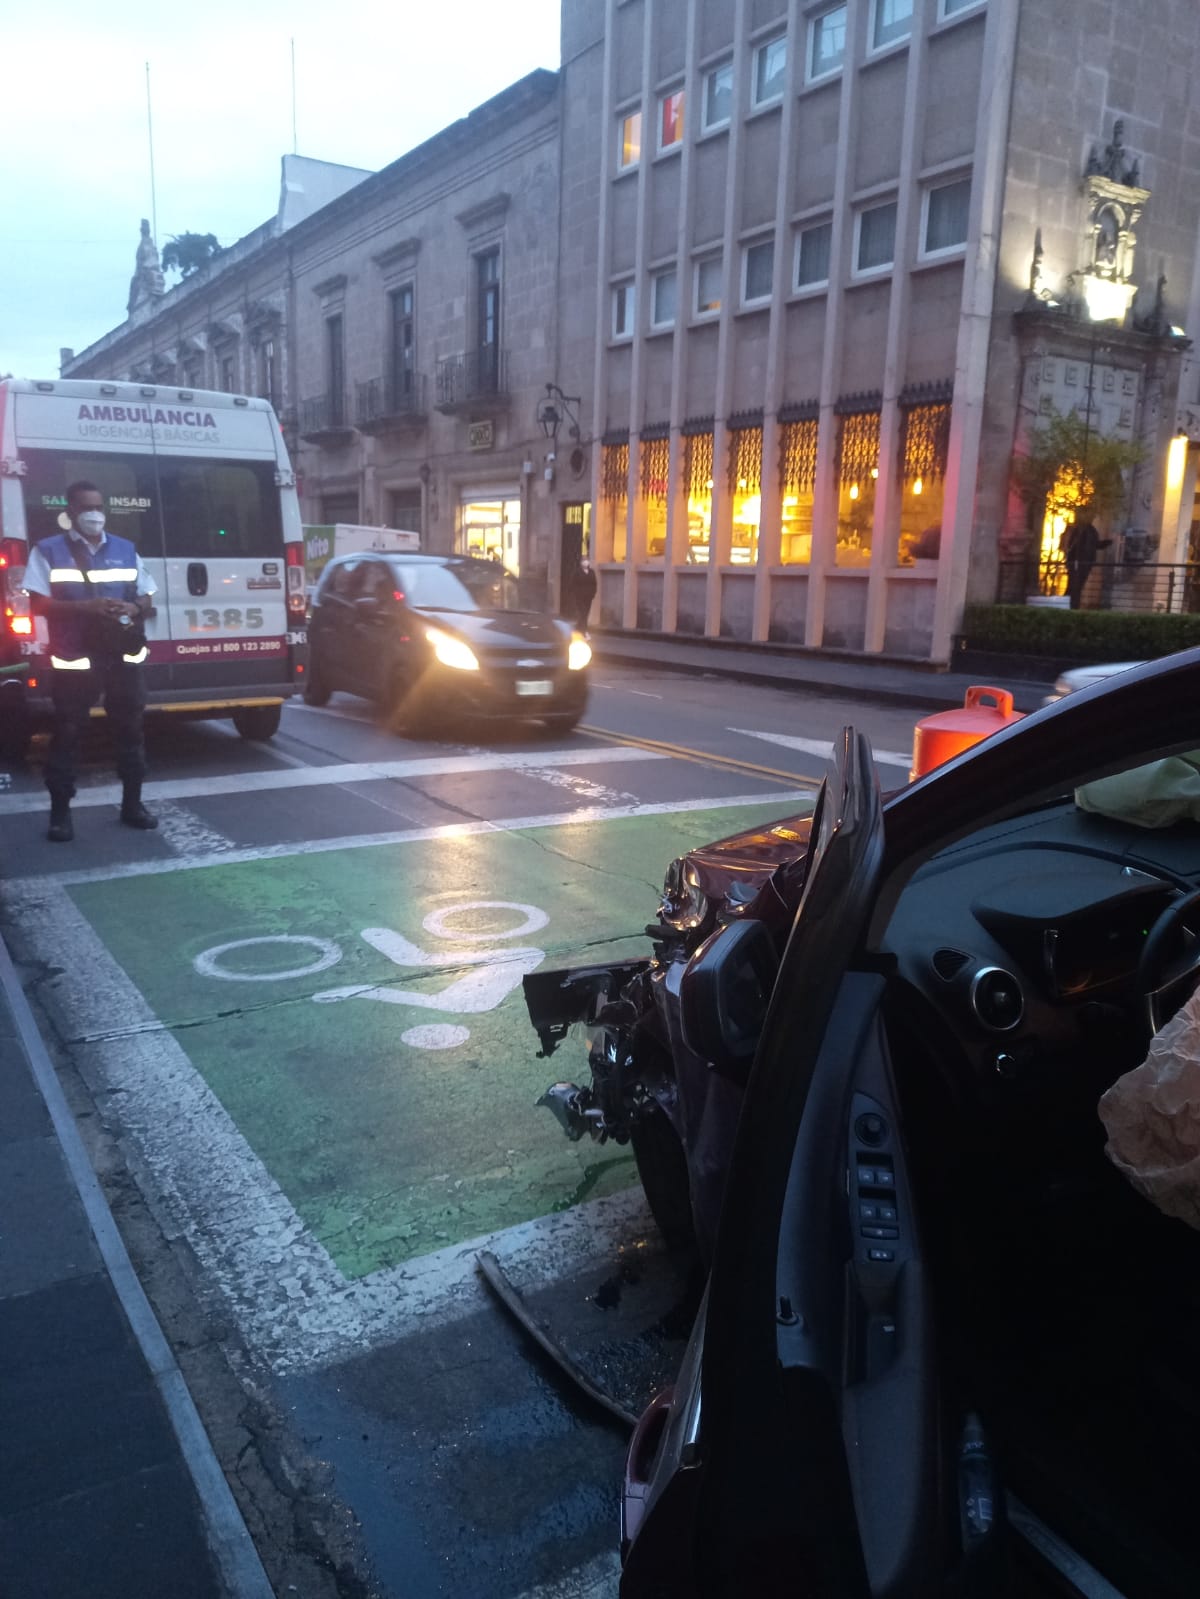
(1107, 239)
(1113, 163)
(147, 282)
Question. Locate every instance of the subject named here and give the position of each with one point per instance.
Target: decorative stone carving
(147, 282)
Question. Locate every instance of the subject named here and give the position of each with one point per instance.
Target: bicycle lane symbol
(495, 971)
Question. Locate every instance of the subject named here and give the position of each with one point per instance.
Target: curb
(229, 1539)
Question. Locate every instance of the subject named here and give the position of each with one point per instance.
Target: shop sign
(480, 436)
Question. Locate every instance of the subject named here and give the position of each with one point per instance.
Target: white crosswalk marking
(184, 833)
(820, 747)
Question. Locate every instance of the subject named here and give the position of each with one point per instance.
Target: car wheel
(316, 688)
(257, 722)
(560, 723)
(662, 1167)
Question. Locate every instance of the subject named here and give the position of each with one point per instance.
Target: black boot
(133, 812)
(61, 829)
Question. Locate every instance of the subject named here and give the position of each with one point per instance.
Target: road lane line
(790, 801)
(182, 831)
(819, 747)
(347, 772)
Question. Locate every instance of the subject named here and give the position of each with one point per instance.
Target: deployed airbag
(1152, 1116)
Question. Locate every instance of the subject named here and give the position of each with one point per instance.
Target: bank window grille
(614, 472)
(655, 464)
(698, 465)
(745, 461)
(798, 456)
(926, 441)
(858, 446)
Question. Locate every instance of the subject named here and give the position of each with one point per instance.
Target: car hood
(501, 632)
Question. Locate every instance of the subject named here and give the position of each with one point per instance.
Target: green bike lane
(358, 1013)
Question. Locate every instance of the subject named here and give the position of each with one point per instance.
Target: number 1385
(207, 621)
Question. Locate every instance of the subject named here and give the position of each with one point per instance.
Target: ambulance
(201, 484)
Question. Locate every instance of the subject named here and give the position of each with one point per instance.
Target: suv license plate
(534, 685)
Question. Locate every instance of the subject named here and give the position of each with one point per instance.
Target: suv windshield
(458, 586)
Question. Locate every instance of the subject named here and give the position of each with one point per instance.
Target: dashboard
(1026, 938)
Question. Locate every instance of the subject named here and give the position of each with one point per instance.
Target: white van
(201, 483)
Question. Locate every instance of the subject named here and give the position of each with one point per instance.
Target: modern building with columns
(850, 255)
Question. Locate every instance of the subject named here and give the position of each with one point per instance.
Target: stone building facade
(820, 335)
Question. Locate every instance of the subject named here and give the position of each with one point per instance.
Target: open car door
(804, 1451)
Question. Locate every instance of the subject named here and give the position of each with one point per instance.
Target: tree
(1068, 464)
(186, 253)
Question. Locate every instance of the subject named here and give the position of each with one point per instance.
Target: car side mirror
(723, 996)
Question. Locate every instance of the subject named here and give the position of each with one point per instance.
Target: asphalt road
(292, 1018)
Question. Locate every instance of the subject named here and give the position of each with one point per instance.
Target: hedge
(1077, 635)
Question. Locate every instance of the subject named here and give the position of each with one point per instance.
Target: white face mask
(91, 523)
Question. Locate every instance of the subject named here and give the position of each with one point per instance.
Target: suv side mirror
(724, 993)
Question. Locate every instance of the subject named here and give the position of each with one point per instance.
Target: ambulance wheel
(257, 722)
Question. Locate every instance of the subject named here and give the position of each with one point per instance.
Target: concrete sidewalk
(885, 682)
(109, 1488)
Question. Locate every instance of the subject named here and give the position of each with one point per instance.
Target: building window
(827, 43)
(892, 21)
(698, 480)
(758, 271)
(875, 243)
(663, 300)
(612, 522)
(624, 304)
(858, 472)
(228, 374)
(487, 321)
(670, 120)
(708, 286)
(947, 211)
(924, 449)
(335, 369)
(404, 509)
(797, 481)
(812, 255)
(268, 377)
(770, 69)
(745, 488)
(654, 464)
(629, 142)
(951, 8)
(402, 335)
(718, 96)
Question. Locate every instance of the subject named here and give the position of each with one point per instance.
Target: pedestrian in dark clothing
(1080, 545)
(94, 592)
(582, 593)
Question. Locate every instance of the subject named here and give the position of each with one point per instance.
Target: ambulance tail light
(297, 602)
(17, 619)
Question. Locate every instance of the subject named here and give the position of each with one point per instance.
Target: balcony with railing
(325, 419)
(474, 381)
(385, 405)
(1105, 586)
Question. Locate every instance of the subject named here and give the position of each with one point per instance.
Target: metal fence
(324, 413)
(473, 375)
(1107, 586)
(382, 400)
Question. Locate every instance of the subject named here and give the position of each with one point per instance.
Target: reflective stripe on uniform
(97, 574)
(80, 665)
(66, 574)
(136, 660)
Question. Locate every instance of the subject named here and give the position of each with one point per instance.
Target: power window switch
(881, 1256)
(868, 1211)
(884, 1177)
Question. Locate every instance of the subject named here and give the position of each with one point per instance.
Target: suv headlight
(684, 903)
(451, 651)
(579, 652)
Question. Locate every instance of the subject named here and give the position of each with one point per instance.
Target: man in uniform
(91, 587)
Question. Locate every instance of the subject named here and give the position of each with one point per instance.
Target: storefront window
(797, 476)
(614, 502)
(745, 475)
(858, 474)
(698, 477)
(491, 530)
(925, 437)
(654, 467)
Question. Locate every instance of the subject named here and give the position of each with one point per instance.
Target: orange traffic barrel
(937, 738)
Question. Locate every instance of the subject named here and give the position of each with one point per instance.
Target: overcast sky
(371, 82)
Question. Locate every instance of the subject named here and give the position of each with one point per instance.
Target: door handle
(197, 578)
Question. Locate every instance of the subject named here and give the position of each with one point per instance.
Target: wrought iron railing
(379, 399)
(1106, 586)
(324, 413)
(473, 375)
